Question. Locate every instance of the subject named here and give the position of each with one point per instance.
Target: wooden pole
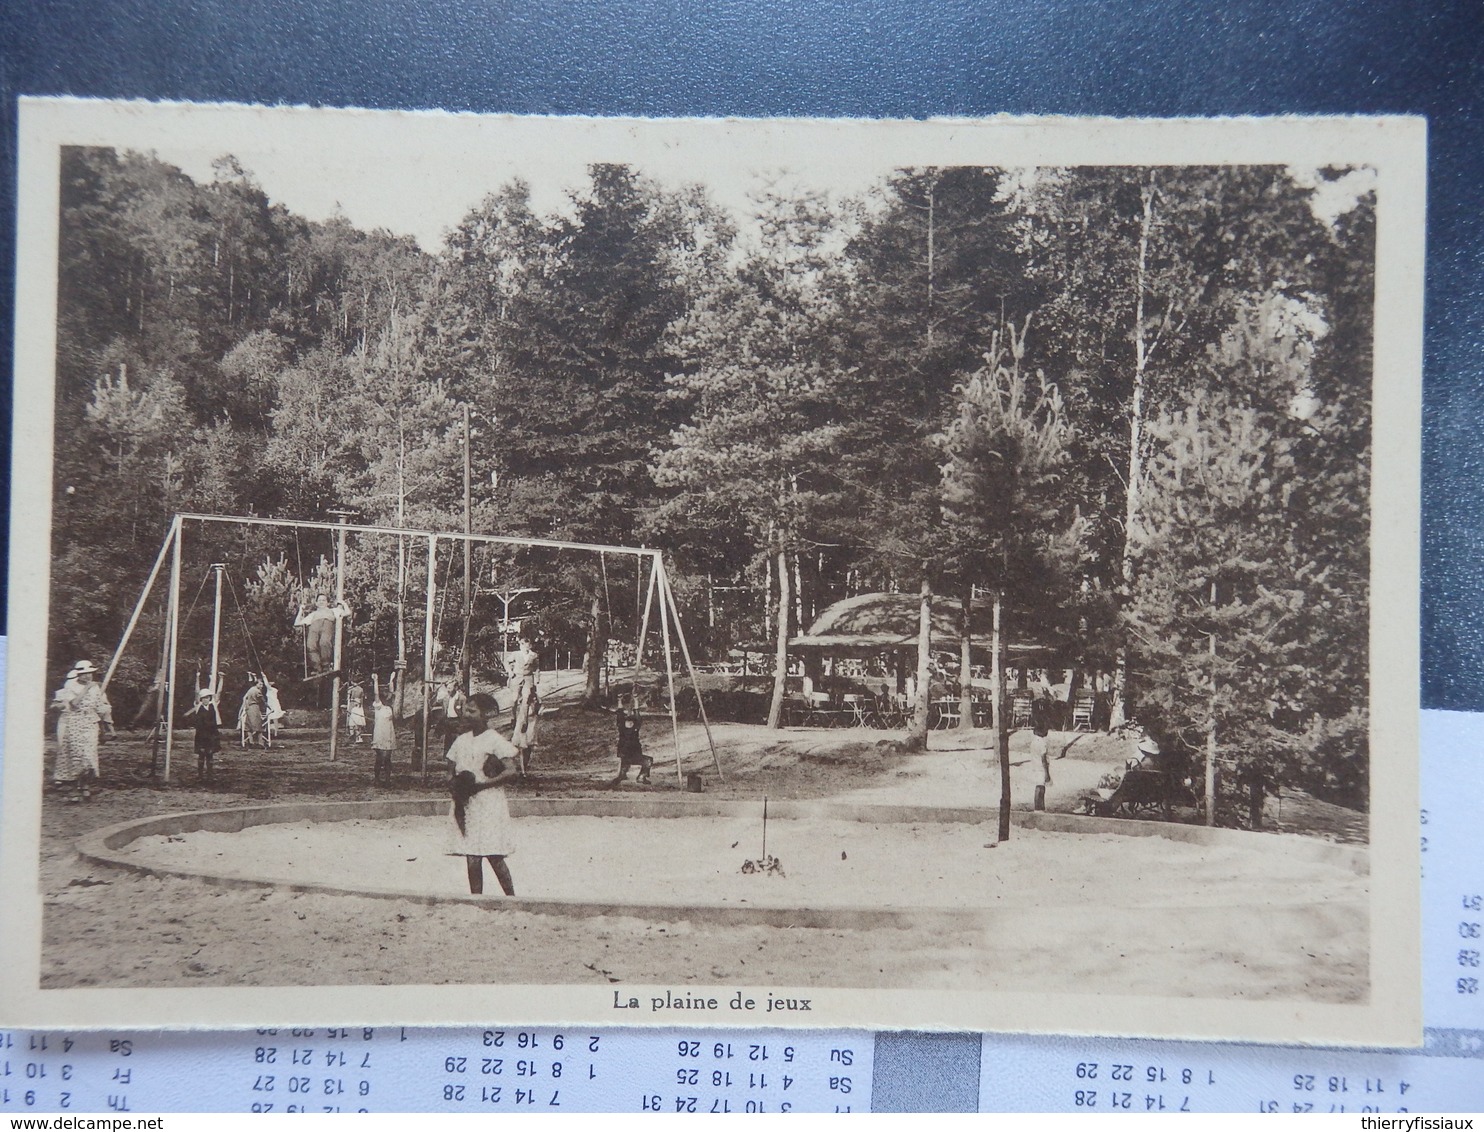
(965, 663)
(218, 569)
(690, 667)
(780, 654)
(399, 694)
(644, 624)
(428, 644)
(464, 665)
(1002, 732)
(416, 532)
(339, 635)
(1211, 729)
(918, 728)
(149, 585)
(162, 682)
(178, 533)
(669, 676)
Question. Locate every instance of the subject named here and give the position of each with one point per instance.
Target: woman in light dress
(56, 705)
(83, 706)
(250, 714)
(523, 736)
(483, 760)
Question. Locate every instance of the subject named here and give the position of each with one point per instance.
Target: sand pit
(827, 863)
(613, 892)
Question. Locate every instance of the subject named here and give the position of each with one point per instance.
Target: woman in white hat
(56, 705)
(84, 706)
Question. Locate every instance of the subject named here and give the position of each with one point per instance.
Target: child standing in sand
(483, 760)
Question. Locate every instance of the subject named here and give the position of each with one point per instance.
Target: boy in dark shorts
(630, 749)
(208, 731)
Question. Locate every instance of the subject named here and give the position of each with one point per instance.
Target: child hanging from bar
(525, 671)
(208, 726)
(274, 714)
(319, 626)
(630, 749)
(482, 761)
(383, 727)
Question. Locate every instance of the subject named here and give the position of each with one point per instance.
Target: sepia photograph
(940, 574)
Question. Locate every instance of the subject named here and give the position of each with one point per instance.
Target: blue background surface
(864, 58)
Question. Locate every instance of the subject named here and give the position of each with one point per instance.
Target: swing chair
(659, 600)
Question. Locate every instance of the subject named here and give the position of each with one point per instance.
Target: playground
(1258, 916)
(877, 867)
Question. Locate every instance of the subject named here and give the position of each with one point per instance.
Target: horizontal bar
(451, 536)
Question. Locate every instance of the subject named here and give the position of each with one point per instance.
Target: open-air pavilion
(867, 645)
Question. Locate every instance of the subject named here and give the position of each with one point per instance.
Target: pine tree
(763, 417)
(1240, 625)
(1143, 270)
(1011, 520)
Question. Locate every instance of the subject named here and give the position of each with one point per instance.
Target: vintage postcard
(947, 574)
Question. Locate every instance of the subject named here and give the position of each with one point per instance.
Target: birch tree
(1143, 270)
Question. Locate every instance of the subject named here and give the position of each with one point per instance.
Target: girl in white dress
(483, 760)
(355, 713)
(275, 713)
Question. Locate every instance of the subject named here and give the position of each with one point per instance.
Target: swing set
(659, 594)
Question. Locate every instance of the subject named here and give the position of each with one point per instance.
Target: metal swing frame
(659, 587)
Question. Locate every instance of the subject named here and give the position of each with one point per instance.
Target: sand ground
(1094, 913)
(826, 864)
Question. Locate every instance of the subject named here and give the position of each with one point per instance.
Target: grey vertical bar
(916, 1072)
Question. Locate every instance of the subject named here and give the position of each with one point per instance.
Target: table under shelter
(860, 662)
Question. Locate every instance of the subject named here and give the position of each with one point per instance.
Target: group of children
(383, 722)
(258, 718)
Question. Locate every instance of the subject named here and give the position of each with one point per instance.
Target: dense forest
(1133, 401)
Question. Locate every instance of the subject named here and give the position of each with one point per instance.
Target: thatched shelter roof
(868, 624)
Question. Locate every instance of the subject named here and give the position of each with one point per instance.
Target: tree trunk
(1001, 730)
(592, 662)
(1135, 443)
(965, 677)
(767, 585)
(917, 730)
(798, 596)
(780, 670)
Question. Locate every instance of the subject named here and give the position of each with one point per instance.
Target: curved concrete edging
(101, 847)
